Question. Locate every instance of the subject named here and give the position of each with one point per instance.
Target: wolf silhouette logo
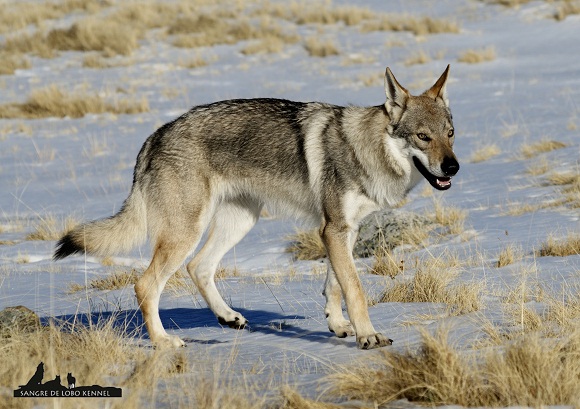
(54, 388)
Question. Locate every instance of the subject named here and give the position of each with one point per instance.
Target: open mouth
(438, 182)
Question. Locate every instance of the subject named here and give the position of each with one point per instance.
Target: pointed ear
(397, 96)
(439, 90)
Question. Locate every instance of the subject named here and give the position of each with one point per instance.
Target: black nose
(450, 166)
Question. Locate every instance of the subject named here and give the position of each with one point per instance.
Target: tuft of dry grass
(564, 310)
(451, 217)
(508, 255)
(484, 153)
(417, 26)
(49, 228)
(538, 167)
(419, 57)
(120, 279)
(432, 284)
(386, 264)
(545, 145)
(93, 353)
(18, 15)
(508, 3)
(527, 372)
(207, 30)
(304, 13)
(568, 246)
(477, 56)
(52, 101)
(92, 34)
(10, 63)
(270, 44)
(294, 400)
(565, 9)
(320, 48)
(306, 245)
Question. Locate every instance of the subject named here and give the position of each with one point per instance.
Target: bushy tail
(113, 235)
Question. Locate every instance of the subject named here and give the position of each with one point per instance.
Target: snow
(83, 167)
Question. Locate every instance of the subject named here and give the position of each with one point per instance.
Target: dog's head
(424, 122)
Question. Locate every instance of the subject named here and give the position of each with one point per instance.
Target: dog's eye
(451, 133)
(423, 137)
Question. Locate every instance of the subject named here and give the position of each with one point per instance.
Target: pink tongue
(443, 181)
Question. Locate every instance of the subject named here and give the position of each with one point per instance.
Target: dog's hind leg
(232, 220)
(169, 254)
(176, 227)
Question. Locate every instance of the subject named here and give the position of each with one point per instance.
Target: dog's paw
(373, 341)
(236, 322)
(341, 329)
(168, 341)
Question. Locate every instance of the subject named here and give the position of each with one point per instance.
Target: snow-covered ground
(83, 167)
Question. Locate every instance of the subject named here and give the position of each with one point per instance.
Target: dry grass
(484, 153)
(269, 44)
(451, 217)
(568, 246)
(508, 255)
(545, 145)
(120, 279)
(418, 26)
(528, 372)
(93, 354)
(320, 48)
(195, 62)
(91, 34)
(433, 285)
(103, 354)
(306, 245)
(207, 30)
(52, 101)
(386, 264)
(538, 167)
(18, 15)
(50, 228)
(419, 57)
(10, 63)
(477, 56)
(294, 400)
(304, 13)
(518, 208)
(564, 310)
(565, 9)
(508, 3)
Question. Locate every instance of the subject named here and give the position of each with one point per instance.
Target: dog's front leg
(336, 237)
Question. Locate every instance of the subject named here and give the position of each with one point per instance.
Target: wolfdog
(217, 165)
